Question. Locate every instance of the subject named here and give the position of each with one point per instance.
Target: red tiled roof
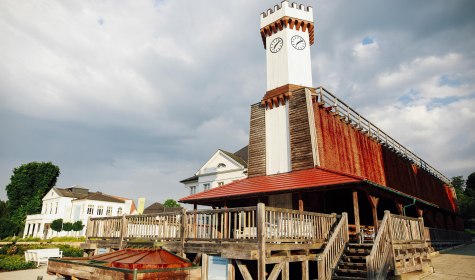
(302, 179)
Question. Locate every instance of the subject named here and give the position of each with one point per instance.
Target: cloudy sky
(129, 97)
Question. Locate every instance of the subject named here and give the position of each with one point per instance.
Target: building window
(220, 184)
(109, 211)
(206, 186)
(50, 207)
(192, 189)
(221, 165)
(90, 209)
(100, 210)
(119, 211)
(56, 210)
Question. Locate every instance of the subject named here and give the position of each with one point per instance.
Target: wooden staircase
(352, 264)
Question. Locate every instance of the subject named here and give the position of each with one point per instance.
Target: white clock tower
(287, 34)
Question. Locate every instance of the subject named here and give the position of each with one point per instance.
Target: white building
(222, 168)
(74, 204)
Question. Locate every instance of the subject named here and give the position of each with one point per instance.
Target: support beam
(231, 271)
(399, 207)
(261, 241)
(204, 266)
(276, 271)
(244, 271)
(305, 275)
(373, 201)
(286, 271)
(356, 211)
(300, 202)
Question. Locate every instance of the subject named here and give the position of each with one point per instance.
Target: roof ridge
(341, 173)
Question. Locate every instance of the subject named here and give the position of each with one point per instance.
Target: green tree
(470, 185)
(171, 203)
(68, 226)
(28, 185)
(78, 226)
(57, 225)
(458, 183)
(4, 209)
(7, 228)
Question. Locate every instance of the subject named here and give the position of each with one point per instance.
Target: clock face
(276, 45)
(298, 42)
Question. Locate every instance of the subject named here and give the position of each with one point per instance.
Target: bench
(41, 256)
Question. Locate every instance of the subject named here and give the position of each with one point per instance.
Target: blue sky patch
(367, 41)
(446, 80)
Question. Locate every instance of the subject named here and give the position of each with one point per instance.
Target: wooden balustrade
(164, 226)
(442, 238)
(406, 229)
(109, 227)
(330, 256)
(379, 261)
(285, 225)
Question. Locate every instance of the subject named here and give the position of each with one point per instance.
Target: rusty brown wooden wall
(344, 148)
(257, 142)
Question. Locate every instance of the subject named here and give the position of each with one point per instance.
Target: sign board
(217, 268)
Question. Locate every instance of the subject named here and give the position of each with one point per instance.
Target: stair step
(347, 277)
(353, 264)
(360, 245)
(350, 272)
(354, 259)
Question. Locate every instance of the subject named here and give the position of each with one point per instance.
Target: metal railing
(347, 113)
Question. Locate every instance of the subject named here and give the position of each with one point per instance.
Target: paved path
(27, 274)
(454, 264)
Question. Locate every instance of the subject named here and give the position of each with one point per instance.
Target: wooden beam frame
(244, 271)
(356, 211)
(373, 201)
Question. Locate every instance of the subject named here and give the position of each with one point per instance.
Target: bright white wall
(277, 140)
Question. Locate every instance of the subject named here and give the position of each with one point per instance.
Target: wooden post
(231, 271)
(300, 202)
(204, 266)
(123, 232)
(244, 271)
(399, 208)
(285, 271)
(305, 270)
(373, 201)
(182, 233)
(195, 222)
(420, 212)
(261, 241)
(356, 210)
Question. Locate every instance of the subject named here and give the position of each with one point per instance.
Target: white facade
(71, 209)
(219, 170)
(288, 50)
(277, 140)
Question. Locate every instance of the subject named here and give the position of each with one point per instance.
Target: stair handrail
(330, 256)
(379, 261)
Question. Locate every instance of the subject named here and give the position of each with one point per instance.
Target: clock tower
(287, 32)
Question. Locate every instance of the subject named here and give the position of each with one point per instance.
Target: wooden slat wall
(257, 142)
(301, 154)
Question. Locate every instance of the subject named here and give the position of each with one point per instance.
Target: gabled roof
(67, 192)
(159, 208)
(190, 179)
(103, 197)
(296, 180)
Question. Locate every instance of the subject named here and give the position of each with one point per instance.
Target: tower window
(221, 165)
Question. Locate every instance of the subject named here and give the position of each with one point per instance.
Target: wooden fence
(441, 238)
(233, 224)
(379, 261)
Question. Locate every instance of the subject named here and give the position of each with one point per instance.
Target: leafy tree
(4, 209)
(68, 226)
(458, 183)
(57, 225)
(28, 185)
(470, 185)
(78, 226)
(171, 203)
(7, 228)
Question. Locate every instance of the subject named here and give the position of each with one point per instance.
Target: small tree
(7, 228)
(78, 226)
(169, 203)
(57, 225)
(68, 227)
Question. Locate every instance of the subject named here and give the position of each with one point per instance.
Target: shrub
(8, 228)
(15, 263)
(67, 239)
(69, 251)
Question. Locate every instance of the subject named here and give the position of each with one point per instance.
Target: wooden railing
(442, 238)
(347, 113)
(232, 224)
(406, 229)
(222, 224)
(330, 256)
(379, 261)
(285, 225)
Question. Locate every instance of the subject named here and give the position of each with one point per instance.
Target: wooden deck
(266, 235)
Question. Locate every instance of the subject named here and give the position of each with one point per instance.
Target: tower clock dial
(298, 42)
(276, 45)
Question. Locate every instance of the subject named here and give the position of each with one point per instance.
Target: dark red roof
(302, 179)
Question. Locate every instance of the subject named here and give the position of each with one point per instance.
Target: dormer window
(221, 165)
